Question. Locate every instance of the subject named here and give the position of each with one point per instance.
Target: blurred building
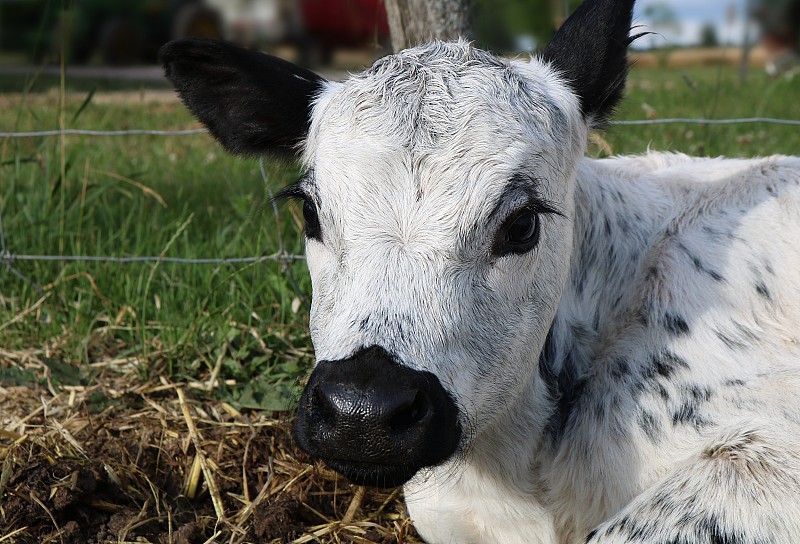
(780, 33)
(131, 31)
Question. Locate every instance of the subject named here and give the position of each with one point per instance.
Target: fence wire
(690, 121)
(190, 132)
(277, 257)
(7, 259)
(83, 132)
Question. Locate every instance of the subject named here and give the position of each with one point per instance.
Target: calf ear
(251, 102)
(591, 52)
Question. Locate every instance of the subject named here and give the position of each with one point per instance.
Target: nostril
(409, 414)
(325, 411)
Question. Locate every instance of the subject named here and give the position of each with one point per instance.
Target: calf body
(542, 347)
(669, 378)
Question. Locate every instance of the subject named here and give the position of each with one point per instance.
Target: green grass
(148, 195)
(712, 93)
(183, 196)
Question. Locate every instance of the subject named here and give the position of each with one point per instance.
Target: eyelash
(505, 244)
(311, 227)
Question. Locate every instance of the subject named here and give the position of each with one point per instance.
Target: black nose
(374, 420)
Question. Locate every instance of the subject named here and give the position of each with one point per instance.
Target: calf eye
(312, 229)
(519, 234)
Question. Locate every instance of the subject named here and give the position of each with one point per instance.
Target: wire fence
(84, 132)
(8, 259)
(190, 132)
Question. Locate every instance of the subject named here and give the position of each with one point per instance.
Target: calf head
(437, 194)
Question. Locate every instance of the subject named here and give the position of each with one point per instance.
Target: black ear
(251, 102)
(591, 50)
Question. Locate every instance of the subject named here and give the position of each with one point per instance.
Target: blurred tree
(412, 22)
(708, 36)
(500, 25)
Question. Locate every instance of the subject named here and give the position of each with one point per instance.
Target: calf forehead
(445, 112)
(416, 151)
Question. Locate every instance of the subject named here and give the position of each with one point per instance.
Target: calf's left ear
(251, 102)
(591, 52)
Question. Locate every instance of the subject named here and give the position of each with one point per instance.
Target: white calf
(540, 346)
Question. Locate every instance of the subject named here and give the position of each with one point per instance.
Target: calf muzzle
(374, 420)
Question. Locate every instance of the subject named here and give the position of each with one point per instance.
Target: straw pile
(125, 461)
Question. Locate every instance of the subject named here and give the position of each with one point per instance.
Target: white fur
(698, 265)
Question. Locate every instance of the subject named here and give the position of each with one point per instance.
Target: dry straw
(135, 461)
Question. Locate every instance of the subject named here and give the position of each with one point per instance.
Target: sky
(692, 15)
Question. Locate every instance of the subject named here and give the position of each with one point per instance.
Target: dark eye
(519, 234)
(311, 218)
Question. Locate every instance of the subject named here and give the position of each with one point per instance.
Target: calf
(541, 347)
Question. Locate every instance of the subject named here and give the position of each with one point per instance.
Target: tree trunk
(413, 22)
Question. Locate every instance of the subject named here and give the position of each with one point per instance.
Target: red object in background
(345, 23)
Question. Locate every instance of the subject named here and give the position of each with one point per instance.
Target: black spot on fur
(711, 527)
(675, 324)
(700, 394)
(762, 290)
(745, 332)
(565, 387)
(620, 368)
(665, 364)
(590, 536)
(729, 341)
(686, 414)
(738, 337)
(649, 425)
(700, 266)
(735, 383)
(630, 529)
(702, 528)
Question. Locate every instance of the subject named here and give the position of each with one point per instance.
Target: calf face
(437, 194)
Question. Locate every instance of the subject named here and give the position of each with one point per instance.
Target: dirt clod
(278, 519)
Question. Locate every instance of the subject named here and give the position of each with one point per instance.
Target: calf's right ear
(251, 102)
(591, 52)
